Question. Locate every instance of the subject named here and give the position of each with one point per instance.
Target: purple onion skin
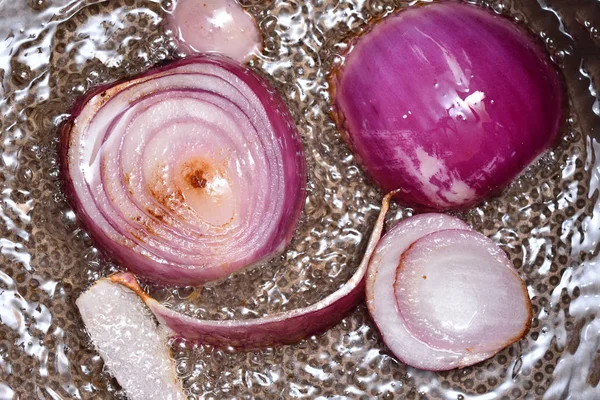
(279, 329)
(448, 102)
(257, 334)
(294, 169)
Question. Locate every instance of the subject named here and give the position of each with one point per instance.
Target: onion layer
(282, 328)
(444, 296)
(448, 101)
(188, 172)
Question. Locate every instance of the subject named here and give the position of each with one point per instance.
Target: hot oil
(547, 221)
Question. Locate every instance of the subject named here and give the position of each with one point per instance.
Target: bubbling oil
(547, 221)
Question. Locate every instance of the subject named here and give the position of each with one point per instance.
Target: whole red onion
(447, 102)
(188, 172)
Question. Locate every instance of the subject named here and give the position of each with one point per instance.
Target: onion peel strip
(280, 328)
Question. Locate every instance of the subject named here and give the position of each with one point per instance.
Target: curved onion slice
(131, 344)
(188, 172)
(444, 296)
(282, 328)
(220, 26)
(447, 101)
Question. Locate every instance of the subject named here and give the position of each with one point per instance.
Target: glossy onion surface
(188, 172)
(448, 102)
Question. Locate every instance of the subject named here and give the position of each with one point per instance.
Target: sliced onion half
(281, 328)
(444, 296)
(188, 172)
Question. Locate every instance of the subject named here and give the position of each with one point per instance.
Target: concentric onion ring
(188, 172)
(444, 296)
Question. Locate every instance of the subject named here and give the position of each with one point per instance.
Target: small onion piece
(131, 344)
(281, 328)
(219, 26)
(447, 101)
(444, 296)
(186, 173)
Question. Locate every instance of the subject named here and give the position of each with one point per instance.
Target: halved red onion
(220, 26)
(188, 172)
(281, 328)
(447, 101)
(131, 344)
(444, 296)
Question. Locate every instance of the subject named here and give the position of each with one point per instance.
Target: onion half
(447, 101)
(186, 173)
(281, 328)
(444, 296)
